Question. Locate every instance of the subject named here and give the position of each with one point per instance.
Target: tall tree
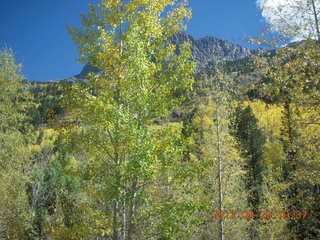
(251, 141)
(142, 79)
(290, 79)
(225, 148)
(221, 168)
(15, 215)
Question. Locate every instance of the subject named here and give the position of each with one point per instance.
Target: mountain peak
(211, 49)
(205, 50)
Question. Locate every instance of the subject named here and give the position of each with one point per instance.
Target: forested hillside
(161, 136)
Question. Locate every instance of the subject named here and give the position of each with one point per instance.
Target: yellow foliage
(269, 116)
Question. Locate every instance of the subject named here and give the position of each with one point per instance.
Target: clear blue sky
(35, 30)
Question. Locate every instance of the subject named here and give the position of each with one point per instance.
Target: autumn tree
(220, 168)
(15, 215)
(141, 79)
(297, 19)
(290, 79)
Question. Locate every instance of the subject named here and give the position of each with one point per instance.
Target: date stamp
(262, 214)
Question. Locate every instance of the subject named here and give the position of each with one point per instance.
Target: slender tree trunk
(124, 219)
(220, 174)
(131, 206)
(316, 18)
(115, 235)
(117, 209)
(289, 147)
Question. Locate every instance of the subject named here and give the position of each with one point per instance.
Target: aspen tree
(141, 79)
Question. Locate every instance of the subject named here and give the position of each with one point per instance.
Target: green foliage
(15, 139)
(291, 79)
(47, 96)
(212, 151)
(142, 78)
(141, 151)
(14, 100)
(251, 142)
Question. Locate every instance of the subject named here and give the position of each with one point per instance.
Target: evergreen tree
(251, 142)
(293, 83)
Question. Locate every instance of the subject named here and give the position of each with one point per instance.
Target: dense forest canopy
(160, 138)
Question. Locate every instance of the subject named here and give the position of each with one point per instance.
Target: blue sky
(36, 31)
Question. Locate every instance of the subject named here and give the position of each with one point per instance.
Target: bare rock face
(86, 69)
(207, 50)
(210, 49)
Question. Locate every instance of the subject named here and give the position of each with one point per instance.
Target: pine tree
(251, 142)
(291, 80)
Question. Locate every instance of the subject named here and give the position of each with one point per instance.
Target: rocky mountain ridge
(206, 51)
(211, 49)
